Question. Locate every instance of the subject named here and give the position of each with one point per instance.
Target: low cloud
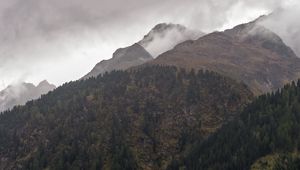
(285, 23)
(13, 95)
(164, 37)
(19, 93)
(62, 40)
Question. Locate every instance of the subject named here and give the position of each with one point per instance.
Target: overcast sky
(61, 40)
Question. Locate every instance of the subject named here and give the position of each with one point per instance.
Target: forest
(264, 136)
(154, 118)
(145, 118)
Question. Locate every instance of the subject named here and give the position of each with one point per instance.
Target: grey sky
(61, 40)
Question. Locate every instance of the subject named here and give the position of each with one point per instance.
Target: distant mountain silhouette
(19, 94)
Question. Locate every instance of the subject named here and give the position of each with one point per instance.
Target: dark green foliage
(287, 162)
(269, 125)
(121, 120)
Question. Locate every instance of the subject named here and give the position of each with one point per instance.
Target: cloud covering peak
(62, 40)
(164, 37)
(285, 23)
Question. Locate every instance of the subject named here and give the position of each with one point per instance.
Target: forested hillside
(266, 136)
(139, 119)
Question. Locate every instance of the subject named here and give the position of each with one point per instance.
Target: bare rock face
(123, 59)
(248, 52)
(21, 93)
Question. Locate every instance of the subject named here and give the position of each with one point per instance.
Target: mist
(285, 23)
(20, 93)
(164, 37)
(62, 40)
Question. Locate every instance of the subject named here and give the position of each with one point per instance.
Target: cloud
(62, 40)
(19, 93)
(285, 23)
(12, 96)
(164, 37)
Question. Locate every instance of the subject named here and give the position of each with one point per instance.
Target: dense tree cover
(269, 125)
(287, 161)
(138, 119)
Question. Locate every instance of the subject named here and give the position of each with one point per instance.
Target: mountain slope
(21, 93)
(248, 53)
(161, 38)
(267, 134)
(139, 119)
(122, 59)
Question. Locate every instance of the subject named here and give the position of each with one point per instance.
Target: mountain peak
(256, 34)
(164, 26)
(164, 37)
(160, 30)
(43, 83)
(123, 58)
(132, 51)
(248, 52)
(19, 94)
(161, 38)
(44, 87)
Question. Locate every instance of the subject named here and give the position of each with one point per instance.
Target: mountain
(283, 22)
(122, 59)
(138, 119)
(248, 52)
(161, 38)
(21, 93)
(187, 109)
(264, 136)
(164, 37)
